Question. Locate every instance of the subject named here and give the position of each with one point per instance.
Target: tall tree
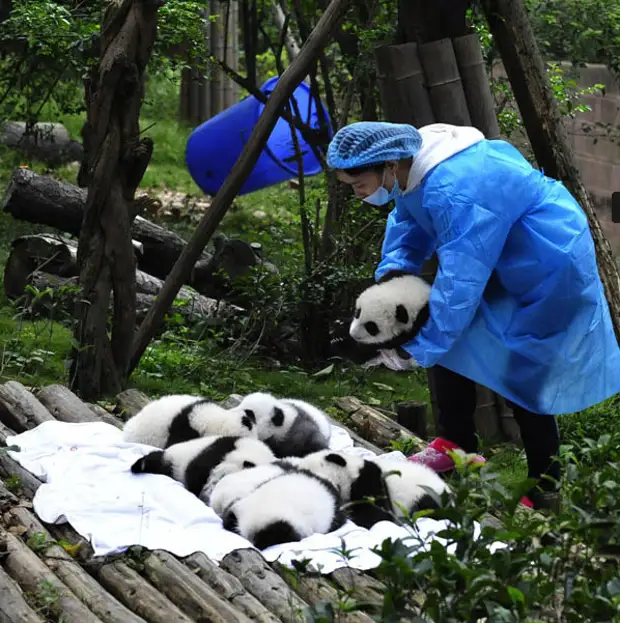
(114, 163)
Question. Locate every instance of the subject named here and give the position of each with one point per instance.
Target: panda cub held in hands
(180, 417)
(285, 509)
(290, 427)
(197, 462)
(397, 488)
(389, 314)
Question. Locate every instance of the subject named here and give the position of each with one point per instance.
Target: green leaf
(324, 372)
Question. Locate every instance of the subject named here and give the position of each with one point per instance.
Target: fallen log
(25, 567)
(64, 405)
(198, 600)
(48, 142)
(372, 424)
(13, 606)
(83, 585)
(229, 587)
(102, 414)
(45, 201)
(356, 582)
(129, 587)
(43, 261)
(19, 409)
(60, 305)
(315, 589)
(255, 574)
(129, 402)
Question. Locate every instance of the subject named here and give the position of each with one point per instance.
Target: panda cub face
(273, 417)
(390, 313)
(339, 469)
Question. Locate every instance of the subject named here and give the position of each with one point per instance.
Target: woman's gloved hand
(394, 359)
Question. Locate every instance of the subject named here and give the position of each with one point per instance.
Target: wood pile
(48, 573)
(43, 200)
(49, 263)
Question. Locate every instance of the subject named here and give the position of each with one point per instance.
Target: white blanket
(88, 483)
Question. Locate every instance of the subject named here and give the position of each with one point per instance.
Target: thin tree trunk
(114, 163)
(287, 83)
(524, 65)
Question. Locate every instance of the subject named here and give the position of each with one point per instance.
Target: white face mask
(381, 196)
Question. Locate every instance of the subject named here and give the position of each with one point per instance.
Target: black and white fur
(180, 417)
(395, 488)
(412, 487)
(391, 312)
(208, 459)
(290, 427)
(285, 509)
(355, 478)
(233, 487)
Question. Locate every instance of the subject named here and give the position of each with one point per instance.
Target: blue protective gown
(517, 304)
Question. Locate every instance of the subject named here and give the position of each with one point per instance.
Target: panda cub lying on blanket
(290, 427)
(291, 499)
(266, 469)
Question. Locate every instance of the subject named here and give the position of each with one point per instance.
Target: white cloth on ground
(88, 483)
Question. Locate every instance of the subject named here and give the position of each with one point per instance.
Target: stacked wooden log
(48, 571)
(43, 200)
(47, 262)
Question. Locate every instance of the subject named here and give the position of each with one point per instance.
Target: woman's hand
(392, 359)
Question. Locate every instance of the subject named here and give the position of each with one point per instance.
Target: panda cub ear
(277, 419)
(337, 459)
(402, 315)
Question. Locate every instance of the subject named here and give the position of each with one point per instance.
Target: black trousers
(456, 404)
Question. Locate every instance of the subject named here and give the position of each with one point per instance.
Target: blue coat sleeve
(406, 246)
(470, 241)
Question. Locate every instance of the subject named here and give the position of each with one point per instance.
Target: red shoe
(526, 502)
(435, 456)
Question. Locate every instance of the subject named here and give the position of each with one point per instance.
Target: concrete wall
(598, 154)
(598, 157)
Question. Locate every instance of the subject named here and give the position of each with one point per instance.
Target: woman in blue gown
(517, 304)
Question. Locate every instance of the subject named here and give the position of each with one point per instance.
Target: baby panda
(394, 488)
(290, 427)
(391, 312)
(355, 478)
(412, 486)
(208, 459)
(285, 509)
(235, 486)
(180, 417)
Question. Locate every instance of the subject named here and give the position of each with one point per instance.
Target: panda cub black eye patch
(277, 419)
(402, 315)
(251, 415)
(336, 459)
(371, 328)
(358, 312)
(248, 464)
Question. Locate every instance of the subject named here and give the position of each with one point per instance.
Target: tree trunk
(287, 83)
(114, 164)
(525, 68)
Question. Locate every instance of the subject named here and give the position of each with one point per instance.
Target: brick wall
(598, 157)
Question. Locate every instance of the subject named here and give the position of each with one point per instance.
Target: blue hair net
(372, 142)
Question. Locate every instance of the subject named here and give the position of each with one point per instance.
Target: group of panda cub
(266, 470)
